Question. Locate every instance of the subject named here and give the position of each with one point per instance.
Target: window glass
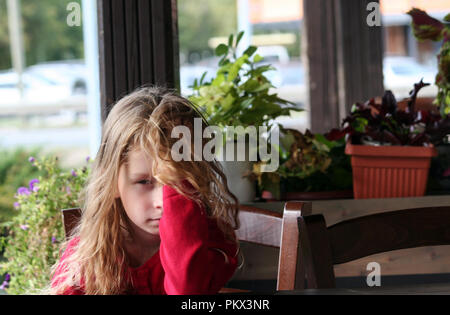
(407, 60)
(275, 30)
(43, 79)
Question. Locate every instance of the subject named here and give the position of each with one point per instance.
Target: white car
(35, 90)
(291, 84)
(401, 73)
(44, 83)
(288, 79)
(69, 73)
(188, 74)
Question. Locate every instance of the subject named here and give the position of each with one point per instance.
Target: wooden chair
(352, 239)
(262, 227)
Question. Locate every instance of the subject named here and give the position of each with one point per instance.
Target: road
(52, 137)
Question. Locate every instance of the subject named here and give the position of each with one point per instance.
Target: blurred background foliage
(48, 38)
(208, 18)
(46, 35)
(15, 171)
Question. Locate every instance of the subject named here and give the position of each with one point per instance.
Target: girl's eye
(145, 182)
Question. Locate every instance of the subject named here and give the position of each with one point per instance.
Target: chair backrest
(261, 227)
(349, 240)
(70, 220)
(269, 228)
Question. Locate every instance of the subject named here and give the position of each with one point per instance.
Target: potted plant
(312, 168)
(427, 28)
(390, 147)
(239, 95)
(35, 232)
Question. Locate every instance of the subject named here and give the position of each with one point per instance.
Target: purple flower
(31, 159)
(24, 227)
(53, 240)
(32, 183)
(23, 191)
(74, 174)
(88, 158)
(5, 283)
(16, 205)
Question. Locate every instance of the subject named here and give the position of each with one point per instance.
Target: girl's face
(141, 194)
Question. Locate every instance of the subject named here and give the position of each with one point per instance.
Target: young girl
(150, 225)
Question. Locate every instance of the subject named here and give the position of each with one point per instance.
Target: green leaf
(447, 18)
(227, 102)
(250, 51)
(321, 146)
(260, 70)
(234, 71)
(222, 49)
(230, 40)
(257, 58)
(218, 80)
(195, 85)
(263, 87)
(249, 85)
(239, 37)
(321, 138)
(202, 78)
(224, 61)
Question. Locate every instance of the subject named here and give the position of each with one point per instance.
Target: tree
(47, 36)
(5, 55)
(199, 20)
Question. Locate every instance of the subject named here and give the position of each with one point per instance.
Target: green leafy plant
(15, 171)
(239, 94)
(31, 246)
(309, 162)
(427, 28)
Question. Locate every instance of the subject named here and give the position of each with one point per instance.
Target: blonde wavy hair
(142, 120)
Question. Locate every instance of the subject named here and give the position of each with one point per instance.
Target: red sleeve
(192, 254)
(61, 266)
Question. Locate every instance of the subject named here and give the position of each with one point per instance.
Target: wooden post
(16, 38)
(344, 59)
(138, 45)
(360, 55)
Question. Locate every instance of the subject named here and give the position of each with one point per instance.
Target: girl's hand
(186, 186)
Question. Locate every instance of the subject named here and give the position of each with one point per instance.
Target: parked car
(70, 73)
(400, 74)
(36, 90)
(288, 78)
(292, 85)
(188, 74)
(44, 83)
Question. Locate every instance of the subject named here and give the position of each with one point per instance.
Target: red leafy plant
(385, 123)
(426, 27)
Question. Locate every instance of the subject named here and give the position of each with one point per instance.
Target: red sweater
(191, 258)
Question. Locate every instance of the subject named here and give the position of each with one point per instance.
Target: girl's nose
(157, 197)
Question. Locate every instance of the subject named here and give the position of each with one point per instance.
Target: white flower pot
(242, 187)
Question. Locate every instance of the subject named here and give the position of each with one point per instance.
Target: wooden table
(262, 263)
(421, 289)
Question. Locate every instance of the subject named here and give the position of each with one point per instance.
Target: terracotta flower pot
(389, 171)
